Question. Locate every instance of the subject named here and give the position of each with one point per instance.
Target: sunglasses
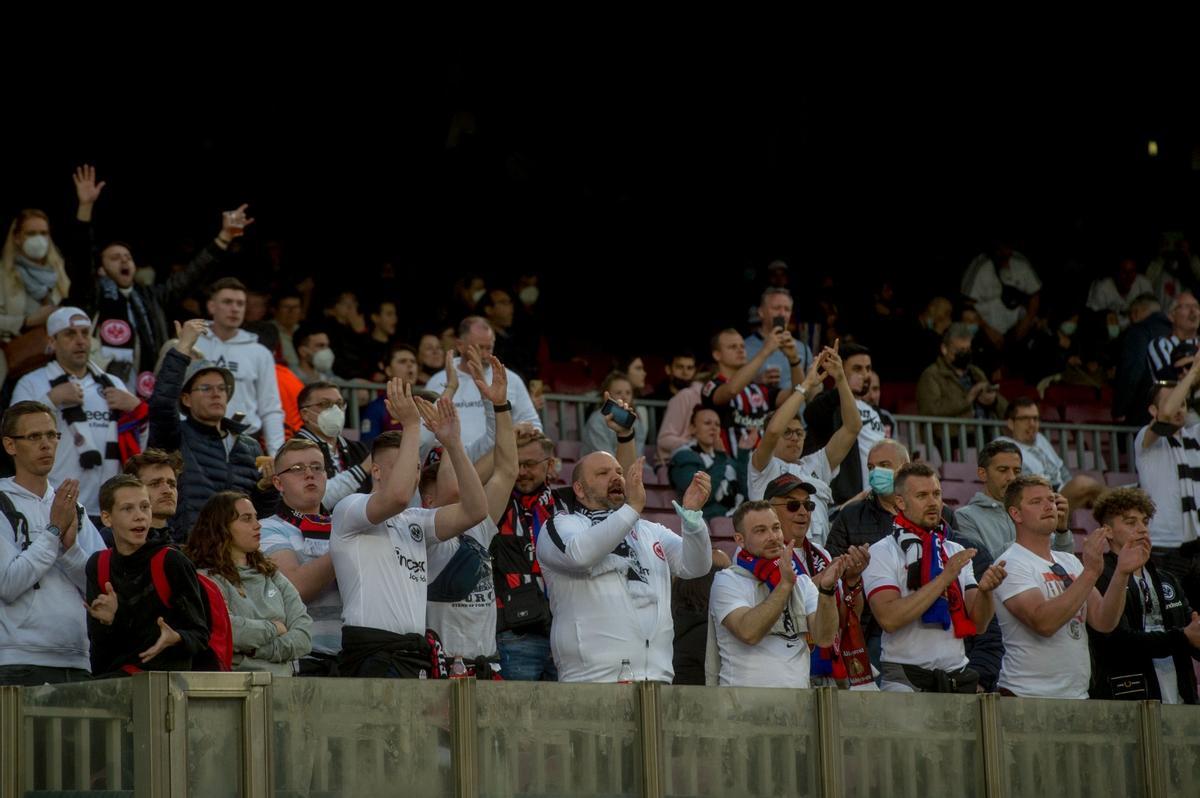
(1062, 574)
(794, 505)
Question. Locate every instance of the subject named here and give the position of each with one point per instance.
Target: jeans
(526, 657)
(34, 675)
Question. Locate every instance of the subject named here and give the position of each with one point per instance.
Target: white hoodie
(257, 392)
(46, 625)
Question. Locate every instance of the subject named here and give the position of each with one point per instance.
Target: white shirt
(813, 469)
(1158, 474)
(872, 432)
(470, 403)
(382, 570)
(467, 628)
(1058, 666)
(46, 625)
(35, 386)
(1104, 296)
(925, 645)
(1041, 459)
(326, 609)
(781, 658)
(986, 286)
(608, 606)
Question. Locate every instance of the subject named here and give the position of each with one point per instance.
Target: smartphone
(623, 417)
(779, 322)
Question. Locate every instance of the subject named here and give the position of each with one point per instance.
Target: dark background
(649, 195)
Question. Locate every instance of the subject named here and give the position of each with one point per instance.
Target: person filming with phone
(953, 387)
(775, 313)
(598, 435)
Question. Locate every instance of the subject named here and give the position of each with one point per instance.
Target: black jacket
(1127, 649)
(135, 627)
(823, 417)
(1132, 384)
(985, 651)
(207, 467)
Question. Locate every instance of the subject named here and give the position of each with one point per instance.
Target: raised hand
(958, 561)
(441, 419)
(787, 569)
(992, 577)
(611, 422)
(188, 334)
(104, 607)
(400, 404)
(696, 495)
(87, 190)
(1132, 558)
(635, 489)
(234, 223)
(1094, 547)
(497, 392)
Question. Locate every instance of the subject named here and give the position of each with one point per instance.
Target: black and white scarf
(124, 325)
(90, 455)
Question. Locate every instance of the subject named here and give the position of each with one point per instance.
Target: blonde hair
(54, 258)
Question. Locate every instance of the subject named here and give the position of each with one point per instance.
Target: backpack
(219, 654)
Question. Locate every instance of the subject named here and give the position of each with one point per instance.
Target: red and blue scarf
(948, 610)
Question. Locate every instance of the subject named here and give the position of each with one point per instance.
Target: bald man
(608, 574)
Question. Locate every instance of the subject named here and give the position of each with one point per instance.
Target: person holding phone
(775, 313)
(598, 436)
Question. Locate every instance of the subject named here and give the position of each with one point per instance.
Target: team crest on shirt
(116, 332)
(1168, 591)
(658, 551)
(415, 531)
(145, 384)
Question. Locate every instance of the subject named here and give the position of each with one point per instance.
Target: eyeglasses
(207, 389)
(793, 433)
(531, 463)
(36, 437)
(794, 505)
(300, 468)
(325, 405)
(1062, 574)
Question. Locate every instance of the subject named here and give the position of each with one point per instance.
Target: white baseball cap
(66, 318)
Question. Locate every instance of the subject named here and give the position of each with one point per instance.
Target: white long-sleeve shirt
(470, 403)
(611, 606)
(256, 393)
(45, 626)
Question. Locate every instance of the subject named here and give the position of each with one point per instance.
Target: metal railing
(1085, 447)
(160, 734)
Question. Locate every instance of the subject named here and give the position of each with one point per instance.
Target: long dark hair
(210, 543)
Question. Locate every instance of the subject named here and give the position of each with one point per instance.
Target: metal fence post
(1153, 768)
(650, 735)
(829, 743)
(995, 783)
(464, 736)
(10, 742)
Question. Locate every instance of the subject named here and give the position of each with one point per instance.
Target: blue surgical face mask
(882, 481)
(1114, 330)
(1068, 328)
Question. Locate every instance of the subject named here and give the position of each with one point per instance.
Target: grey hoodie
(257, 644)
(986, 523)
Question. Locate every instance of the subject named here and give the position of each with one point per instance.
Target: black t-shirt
(746, 413)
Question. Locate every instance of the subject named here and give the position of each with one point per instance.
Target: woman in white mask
(33, 278)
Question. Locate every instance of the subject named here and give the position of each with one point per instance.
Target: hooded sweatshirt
(257, 644)
(257, 392)
(45, 625)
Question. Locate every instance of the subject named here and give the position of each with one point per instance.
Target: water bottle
(458, 670)
(626, 675)
(422, 674)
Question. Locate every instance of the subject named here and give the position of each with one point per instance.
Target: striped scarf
(948, 610)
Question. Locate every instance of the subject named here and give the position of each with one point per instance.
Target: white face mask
(331, 420)
(477, 295)
(529, 294)
(36, 246)
(144, 276)
(323, 361)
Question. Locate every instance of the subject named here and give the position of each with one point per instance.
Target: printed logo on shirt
(1168, 592)
(98, 416)
(658, 551)
(415, 531)
(416, 568)
(227, 364)
(1076, 629)
(870, 420)
(115, 332)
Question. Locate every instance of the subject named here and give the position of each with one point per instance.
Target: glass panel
(557, 739)
(743, 741)
(362, 737)
(1181, 742)
(78, 737)
(214, 746)
(1070, 748)
(910, 744)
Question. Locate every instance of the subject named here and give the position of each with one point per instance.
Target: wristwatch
(55, 531)
(825, 592)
